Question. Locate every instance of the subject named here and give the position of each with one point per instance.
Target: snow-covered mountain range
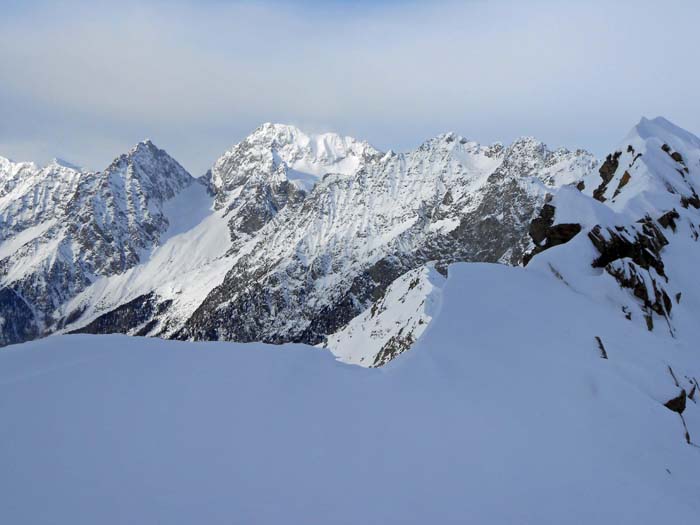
(325, 240)
(287, 238)
(530, 317)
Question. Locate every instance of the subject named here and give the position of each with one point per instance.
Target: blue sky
(86, 80)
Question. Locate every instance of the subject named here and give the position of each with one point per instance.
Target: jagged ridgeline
(290, 236)
(640, 219)
(297, 238)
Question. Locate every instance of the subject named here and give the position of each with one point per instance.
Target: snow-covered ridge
(394, 323)
(639, 220)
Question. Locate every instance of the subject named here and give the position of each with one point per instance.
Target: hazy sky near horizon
(84, 81)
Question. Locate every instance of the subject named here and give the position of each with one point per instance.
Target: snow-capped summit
(293, 143)
(639, 222)
(63, 228)
(656, 161)
(290, 154)
(275, 165)
(150, 169)
(664, 130)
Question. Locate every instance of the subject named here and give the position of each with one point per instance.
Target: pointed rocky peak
(527, 145)
(272, 133)
(448, 139)
(524, 156)
(535, 148)
(144, 146)
(660, 137)
(655, 168)
(56, 169)
(146, 149)
(6, 167)
(157, 172)
(147, 156)
(496, 149)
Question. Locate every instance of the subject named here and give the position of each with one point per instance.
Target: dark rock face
(677, 404)
(607, 171)
(135, 316)
(395, 346)
(601, 347)
(623, 182)
(643, 247)
(673, 154)
(257, 203)
(668, 219)
(633, 257)
(545, 234)
(693, 200)
(541, 224)
(17, 321)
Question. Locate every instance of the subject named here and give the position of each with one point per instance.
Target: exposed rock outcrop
(135, 317)
(545, 234)
(677, 404)
(17, 320)
(607, 171)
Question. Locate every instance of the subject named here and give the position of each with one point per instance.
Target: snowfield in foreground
(503, 412)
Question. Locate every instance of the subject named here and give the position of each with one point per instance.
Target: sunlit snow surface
(503, 412)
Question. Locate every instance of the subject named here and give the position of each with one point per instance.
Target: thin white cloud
(195, 77)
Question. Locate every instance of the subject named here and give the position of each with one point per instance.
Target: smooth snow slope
(503, 412)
